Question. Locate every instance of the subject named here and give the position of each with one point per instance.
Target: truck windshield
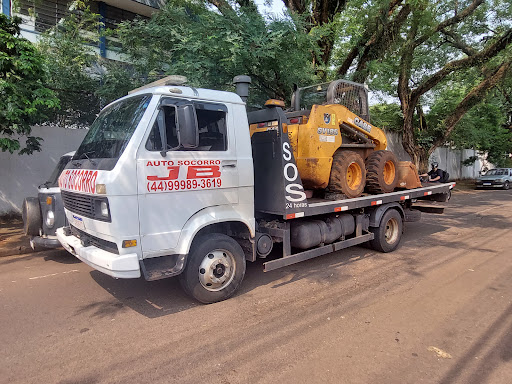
(112, 129)
(54, 178)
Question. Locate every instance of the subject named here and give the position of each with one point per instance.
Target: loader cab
(352, 95)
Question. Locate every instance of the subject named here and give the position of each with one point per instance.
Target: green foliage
(482, 129)
(71, 63)
(82, 80)
(469, 161)
(387, 116)
(25, 100)
(417, 52)
(189, 38)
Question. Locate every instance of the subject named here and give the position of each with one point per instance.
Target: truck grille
(88, 240)
(78, 203)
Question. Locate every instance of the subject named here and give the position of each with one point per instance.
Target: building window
(48, 13)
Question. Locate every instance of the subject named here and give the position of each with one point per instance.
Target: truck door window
(211, 120)
(212, 129)
(169, 120)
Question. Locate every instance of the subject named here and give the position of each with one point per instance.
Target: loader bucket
(407, 176)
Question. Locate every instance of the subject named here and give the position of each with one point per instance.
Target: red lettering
(173, 175)
(201, 171)
(93, 181)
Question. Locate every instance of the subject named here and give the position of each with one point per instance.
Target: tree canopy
(443, 68)
(210, 46)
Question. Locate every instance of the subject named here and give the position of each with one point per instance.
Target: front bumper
(490, 184)
(45, 242)
(119, 266)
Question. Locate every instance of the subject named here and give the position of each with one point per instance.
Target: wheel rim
(391, 233)
(354, 175)
(389, 172)
(217, 270)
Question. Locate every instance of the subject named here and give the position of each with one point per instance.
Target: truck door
(175, 185)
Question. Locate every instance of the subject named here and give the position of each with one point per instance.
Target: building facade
(40, 15)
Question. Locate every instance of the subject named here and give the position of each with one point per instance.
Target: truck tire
(381, 172)
(31, 214)
(388, 233)
(215, 268)
(506, 185)
(348, 174)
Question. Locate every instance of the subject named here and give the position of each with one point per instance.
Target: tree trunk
(423, 156)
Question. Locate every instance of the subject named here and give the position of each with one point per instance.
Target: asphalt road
(437, 310)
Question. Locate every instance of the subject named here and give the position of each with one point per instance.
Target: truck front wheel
(388, 233)
(215, 268)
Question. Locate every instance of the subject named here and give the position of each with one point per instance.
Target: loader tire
(381, 172)
(348, 174)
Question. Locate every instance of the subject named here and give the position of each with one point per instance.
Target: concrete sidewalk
(12, 239)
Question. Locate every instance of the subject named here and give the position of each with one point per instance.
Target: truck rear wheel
(348, 174)
(388, 233)
(215, 268)
(381, 172)
(31, 214)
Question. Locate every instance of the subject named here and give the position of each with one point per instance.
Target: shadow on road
(499, 335)
(165, 297)
(58, 255)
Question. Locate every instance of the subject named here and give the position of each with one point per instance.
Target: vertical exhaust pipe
(242, 86)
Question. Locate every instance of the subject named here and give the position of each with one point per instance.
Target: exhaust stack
(242, 86)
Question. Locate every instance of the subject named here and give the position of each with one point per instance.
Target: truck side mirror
(188, 131)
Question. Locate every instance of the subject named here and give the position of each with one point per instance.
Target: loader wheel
(348, 174)
(381, 172)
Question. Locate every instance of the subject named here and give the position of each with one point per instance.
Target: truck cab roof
(190, 92)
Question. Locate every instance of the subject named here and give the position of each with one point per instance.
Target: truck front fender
(209, 216)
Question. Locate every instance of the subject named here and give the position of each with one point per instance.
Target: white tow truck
(211, 197)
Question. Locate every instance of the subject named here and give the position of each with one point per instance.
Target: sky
(276, 6)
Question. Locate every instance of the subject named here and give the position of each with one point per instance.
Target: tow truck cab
(129, 199)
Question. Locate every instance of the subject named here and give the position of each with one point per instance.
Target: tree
(25, 99)
(211, 46)
(413, 49)
(320, 16)
(82, 80)
(72, 65)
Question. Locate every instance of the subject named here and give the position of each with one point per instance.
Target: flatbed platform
(316, 206)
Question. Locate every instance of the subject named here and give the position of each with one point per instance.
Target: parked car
(42, 215)
(495, 178)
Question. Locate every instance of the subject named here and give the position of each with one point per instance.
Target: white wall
(21, 174)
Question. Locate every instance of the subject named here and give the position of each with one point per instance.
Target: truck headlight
(50, 219)
(498, 181)
(101, 209)
(104, 209)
